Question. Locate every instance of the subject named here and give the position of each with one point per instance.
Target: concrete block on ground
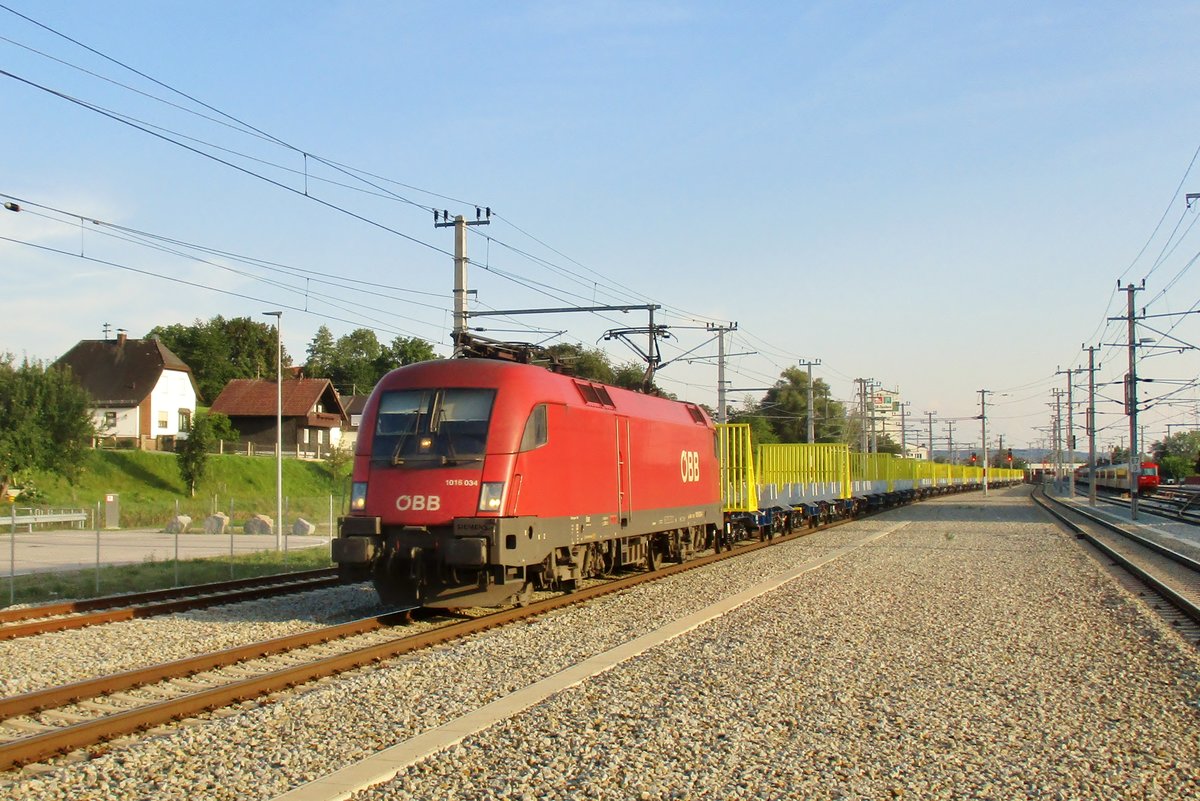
(179, 524)
(259, 524)
(303, 528)
(216, 524)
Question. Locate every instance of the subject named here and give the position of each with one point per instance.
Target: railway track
(57, 720)
(80, 614)
(1166, 573)
(1169, 506)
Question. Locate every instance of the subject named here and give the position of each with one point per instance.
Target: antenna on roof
(107, 331)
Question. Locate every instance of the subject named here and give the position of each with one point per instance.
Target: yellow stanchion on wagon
(739, 486)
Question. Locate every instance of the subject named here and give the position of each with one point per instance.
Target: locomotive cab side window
(536, 433)
(423, 428)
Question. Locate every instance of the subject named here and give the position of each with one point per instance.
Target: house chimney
(121, 337)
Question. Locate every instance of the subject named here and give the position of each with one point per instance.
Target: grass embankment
(37, 588)
(149, 487)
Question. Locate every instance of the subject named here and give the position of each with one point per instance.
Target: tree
(220, 350)
(885, 444)
(406, 350)
(1176, 468)
(356, 361)
(632, 375)
(751, 413)
(192, 453)
(321, 354)
(786, 405)
(589, 363)
(338, 460)
(45, 420)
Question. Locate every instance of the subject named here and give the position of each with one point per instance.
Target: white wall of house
(172, 393)
(119, 421)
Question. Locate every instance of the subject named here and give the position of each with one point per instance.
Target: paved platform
(73, 549)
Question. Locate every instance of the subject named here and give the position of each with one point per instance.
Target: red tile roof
(248, 397)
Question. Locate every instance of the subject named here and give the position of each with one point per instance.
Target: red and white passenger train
(477, 480)
(1116, 477)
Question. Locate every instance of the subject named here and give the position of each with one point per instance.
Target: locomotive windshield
(424, 428)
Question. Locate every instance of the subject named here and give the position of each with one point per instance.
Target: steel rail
(1182, 603)
(55, 697)
(130, 599)
(1157, 547)
(34, 627)
(1160, 505)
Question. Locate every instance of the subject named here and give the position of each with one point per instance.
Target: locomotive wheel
(654, 557)
(608, 559)
(389, 592)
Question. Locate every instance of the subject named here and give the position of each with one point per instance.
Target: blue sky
(939, 196)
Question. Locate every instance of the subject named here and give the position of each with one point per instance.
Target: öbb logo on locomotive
(418, 503)
(689, 466)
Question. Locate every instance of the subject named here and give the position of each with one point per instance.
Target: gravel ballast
(974, 652)
(47, 660)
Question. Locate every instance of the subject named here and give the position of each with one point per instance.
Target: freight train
(476, 481)
(1115, 477)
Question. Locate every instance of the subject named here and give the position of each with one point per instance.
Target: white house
(140, 389)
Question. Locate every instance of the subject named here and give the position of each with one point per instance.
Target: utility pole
(950, 440)
(874, 434)
(812, 425)
(1070, 438)
(1091, 425)
(1071, 434)
(460, 224)
(278, 315)
(864, 445)
(1135, 464)
(1058, 460)
(983, 393)
(930, 416)
(904, 428)
(721, 330)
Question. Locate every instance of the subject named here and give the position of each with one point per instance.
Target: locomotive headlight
(358, 496)
(491, 493)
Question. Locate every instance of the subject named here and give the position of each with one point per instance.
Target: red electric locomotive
(477, 480)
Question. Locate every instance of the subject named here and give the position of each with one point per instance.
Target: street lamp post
(278, 315)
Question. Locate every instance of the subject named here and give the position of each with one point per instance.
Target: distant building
(141, 392)
(313, 415)
(354, 405)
